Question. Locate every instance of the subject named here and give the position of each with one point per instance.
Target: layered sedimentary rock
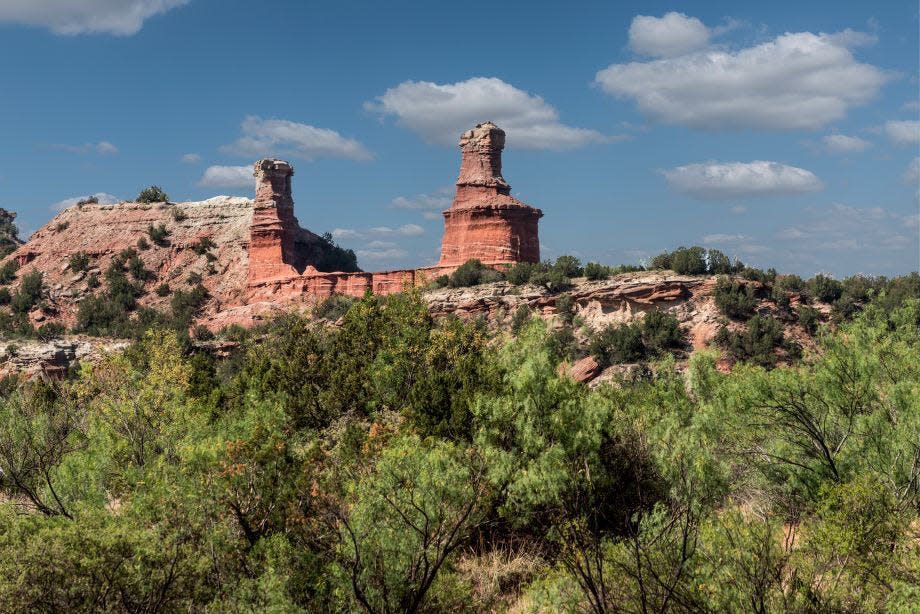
(485, 221)
(102, 232)
(272, 232)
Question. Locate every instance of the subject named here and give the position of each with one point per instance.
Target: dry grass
(499, 576)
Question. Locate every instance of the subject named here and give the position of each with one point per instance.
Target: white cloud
(739, 209)
(724, 238)
(104, 198)
(346, 233)
(280, 137)
(796, 81)
(667, 36)
(379, 254)
(119, 17)
(437, 201)
(841, 143)
(841, 227)
(912, 174)
(905, 132)
(439, 113)
(191, 158)
(227, 177)
(728, 180)
(101, 148)
(406, 230)
(912, 105)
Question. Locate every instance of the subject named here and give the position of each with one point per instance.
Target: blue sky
(785, 134)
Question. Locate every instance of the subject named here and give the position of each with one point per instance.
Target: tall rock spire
(274, 227)
(485, 221)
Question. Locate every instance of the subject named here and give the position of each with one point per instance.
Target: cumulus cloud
(381, 252)
(439, 113)
(905, 132)
(437, 201)
(671, 35)
(104, 198)
(227, 177)
(119, 17)
(841, 143)
(406, 230)
(102, 148)
(724, 238)
(191, 158)
(728, 180)
(796, 81)
(280, 137)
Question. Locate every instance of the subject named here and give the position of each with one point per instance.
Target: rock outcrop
(253, 257)
(485, 221)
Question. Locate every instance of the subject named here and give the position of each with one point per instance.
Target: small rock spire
(481, 159)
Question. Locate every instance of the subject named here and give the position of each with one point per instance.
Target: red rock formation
(273, 230)
(485, 221)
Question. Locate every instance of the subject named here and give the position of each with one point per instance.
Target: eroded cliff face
(103, 231)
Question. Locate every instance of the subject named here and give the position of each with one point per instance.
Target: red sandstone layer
(485, 221)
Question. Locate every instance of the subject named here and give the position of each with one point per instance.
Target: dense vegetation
(398, 464)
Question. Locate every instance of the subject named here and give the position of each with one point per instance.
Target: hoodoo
(485, 221)
(274, 227)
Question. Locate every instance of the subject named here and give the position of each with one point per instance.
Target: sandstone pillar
(485, 221)
(274, 228)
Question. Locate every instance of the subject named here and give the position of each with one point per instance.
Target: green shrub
(568, 266)
(79, 262)
(441, 281)
(333, 257)
(617, 344)
(8, 271)
(143, 244)
(473, 273)
(520, 273)
(92, 281)
(333, 307)
(552, 279)
(202, 333)
(29, 293)
(809, 318)
(158, 234)
(194, 278)
(61, 226)
(756, 344)
(718, 263)
(203, 245)
(51, 330)
(825, 289)
(683, 260)
(152, 194)
(760, 275)
(89, 200)
(521, 317)
(596, 272)
(563, 345)
(662, 332)
(734, 299)
(565, 308)
(137, 269)
(163, 289)
(186, 305)
(5, 296)
(696, 260)
(178, 214)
